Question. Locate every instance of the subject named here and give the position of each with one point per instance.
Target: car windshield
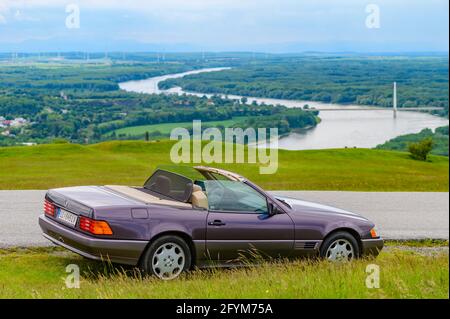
(234, 196)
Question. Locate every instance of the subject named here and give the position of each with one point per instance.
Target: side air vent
(306, 245)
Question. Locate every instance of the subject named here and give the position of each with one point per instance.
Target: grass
(131, 162)
(418, 243)
(40, 273)
(166, 128)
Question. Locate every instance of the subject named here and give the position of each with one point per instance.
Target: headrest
(196, 188)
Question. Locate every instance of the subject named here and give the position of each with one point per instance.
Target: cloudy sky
(224, 25)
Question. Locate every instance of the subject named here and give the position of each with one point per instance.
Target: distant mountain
(85, 43)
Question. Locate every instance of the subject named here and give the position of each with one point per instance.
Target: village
(11, 123)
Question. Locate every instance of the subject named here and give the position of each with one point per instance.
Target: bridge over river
(395, 109)
(369, 108)
(340, 125)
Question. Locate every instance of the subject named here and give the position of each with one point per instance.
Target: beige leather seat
(198, 197)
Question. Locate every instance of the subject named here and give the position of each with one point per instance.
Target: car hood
(305, 207)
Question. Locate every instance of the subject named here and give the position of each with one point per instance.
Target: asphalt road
(397, 215)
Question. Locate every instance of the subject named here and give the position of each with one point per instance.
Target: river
(338, 129)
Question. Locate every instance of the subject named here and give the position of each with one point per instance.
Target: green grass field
(418, 243)
(131, 162)
(166, 128)
(41, 273)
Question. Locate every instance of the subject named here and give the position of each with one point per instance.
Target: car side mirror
(273, 209)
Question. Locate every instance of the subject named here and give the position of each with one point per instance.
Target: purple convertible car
(198, 216)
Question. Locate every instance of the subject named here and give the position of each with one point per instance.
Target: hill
(440, 141)
(131, 162)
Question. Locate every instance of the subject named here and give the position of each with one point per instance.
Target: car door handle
(216, 223)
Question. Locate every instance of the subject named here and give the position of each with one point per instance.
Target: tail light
(49, 208)
(96, 227)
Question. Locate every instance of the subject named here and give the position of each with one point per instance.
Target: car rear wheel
(340, 246)
(167, 257)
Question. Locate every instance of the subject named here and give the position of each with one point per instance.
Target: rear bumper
(371, 247)
(117, 251)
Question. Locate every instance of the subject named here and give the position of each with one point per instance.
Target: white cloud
(153, 5)
(3, 11)
(201, 4)
(169, 10)
(135, 4)
(228, 22)
(20, 16)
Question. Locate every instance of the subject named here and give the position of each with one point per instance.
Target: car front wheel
(167, 257)
(340, 246)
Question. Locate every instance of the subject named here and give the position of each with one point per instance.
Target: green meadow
(41, 273)
(165, 128)
(131, 162)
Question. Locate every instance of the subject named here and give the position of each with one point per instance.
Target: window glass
(170, 185)
(233, 196)
(219, 177)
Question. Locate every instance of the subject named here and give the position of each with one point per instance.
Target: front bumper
(371, 247)
(117, 251)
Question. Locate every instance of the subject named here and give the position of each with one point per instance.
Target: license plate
(67, 217)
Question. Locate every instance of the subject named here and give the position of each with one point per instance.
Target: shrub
(420, 150)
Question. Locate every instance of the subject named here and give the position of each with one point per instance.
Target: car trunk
(85, 200)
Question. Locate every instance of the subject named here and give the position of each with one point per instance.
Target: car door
(239, 222)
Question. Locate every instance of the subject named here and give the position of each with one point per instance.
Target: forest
(439, 137)
(77, 98)
(364, 80)
(82, 102)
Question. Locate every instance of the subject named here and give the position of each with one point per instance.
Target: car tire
(166, 257)
(340, 246)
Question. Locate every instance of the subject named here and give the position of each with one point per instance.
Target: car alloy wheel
(340, 250)
(168, 261)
